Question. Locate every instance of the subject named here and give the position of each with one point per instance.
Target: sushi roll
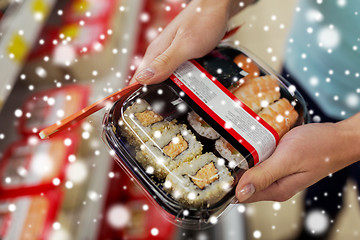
(167, 149)
(280, 115)
(258, 93)
(200, 182)
(139, 121)
(228, 152)
(201, 127)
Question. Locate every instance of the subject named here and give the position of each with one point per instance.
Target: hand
(303, 156)
(192, 34)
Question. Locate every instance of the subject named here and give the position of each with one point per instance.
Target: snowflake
(329, 37)
(18, 113)
(314, 16)
(352, 100)
(257, 234)
(118, 216)
(317, 222)
(341, 3)
(154, 231)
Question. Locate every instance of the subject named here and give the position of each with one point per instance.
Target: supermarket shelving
(21, 23)
(19, 28)
(99, 180)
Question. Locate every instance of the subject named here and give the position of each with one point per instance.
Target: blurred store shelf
(35, 96)
(19, 28)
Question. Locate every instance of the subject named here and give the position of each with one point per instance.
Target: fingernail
(145, 75)
(246, 192)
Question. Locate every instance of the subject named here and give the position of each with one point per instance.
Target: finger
(162, 66)
(260, 177)
(156, 47)
(282, 189)
(150, 54)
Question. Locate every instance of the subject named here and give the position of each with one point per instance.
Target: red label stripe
(218, 119)
(235, 99)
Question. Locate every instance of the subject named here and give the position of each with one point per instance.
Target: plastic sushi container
(188, 140)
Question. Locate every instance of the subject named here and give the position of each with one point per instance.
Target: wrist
(235, 6)
(228, 7)
(349, 131)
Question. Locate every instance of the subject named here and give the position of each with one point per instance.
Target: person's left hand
(303, 156)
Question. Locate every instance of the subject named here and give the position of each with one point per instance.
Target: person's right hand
(303, 156)
(192, 34)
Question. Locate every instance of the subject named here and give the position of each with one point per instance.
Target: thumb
(259, 178)
(163, 65)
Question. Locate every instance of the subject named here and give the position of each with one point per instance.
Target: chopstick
(85, 112)
(231, 32)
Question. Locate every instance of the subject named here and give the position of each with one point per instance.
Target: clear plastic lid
(189, 139)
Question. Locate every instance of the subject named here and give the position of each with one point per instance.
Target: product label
(236, 118)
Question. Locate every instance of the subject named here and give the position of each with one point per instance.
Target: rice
(175, 146)
(228, 152)
(140, 122)
(200, 182)
(202, 128)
